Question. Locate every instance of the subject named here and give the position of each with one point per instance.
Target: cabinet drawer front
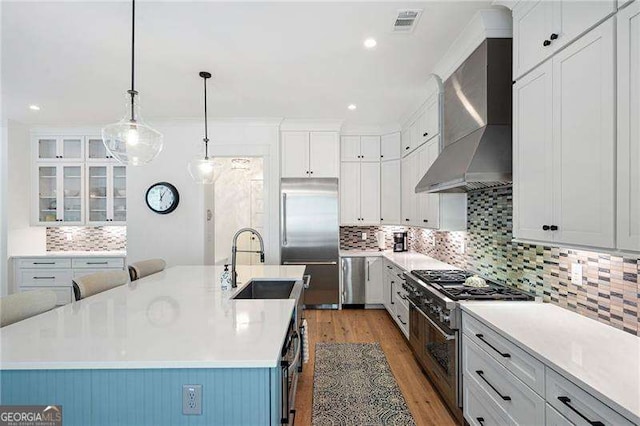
(98, 262)
(401, 314)
(45, 278)
(392, 269)
(519, 401)
(44, 263)
(63, 294)
(520, 363)
(577, 405)
(556, 419)
(479, 410)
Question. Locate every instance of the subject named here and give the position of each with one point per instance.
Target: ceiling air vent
(406, 20)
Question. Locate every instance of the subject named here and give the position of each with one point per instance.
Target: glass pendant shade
(203, 170)
(131, 141)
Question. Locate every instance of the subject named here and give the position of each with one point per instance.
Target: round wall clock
(162, 197)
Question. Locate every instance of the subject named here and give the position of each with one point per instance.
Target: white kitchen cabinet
(405, 141)
(59, 190)
(374, 290)
(541, 28)
(324, 155)
(390, 188)
(59, 148)
(57, 273)
(106, 194)
(310, 154)
(429, 121)
(582, 146)
(409, 208)
(350, 193)
(390, 147)
(533, 154)
(360, 193)
(628, 216)
(97, 152)
(295, 154)
(360, 148)
(428, 205)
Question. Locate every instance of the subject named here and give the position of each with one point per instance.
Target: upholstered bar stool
(97, 283)
(19, 306)
(146, 267)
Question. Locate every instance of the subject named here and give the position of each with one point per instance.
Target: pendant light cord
(133, 92)
(206, 133)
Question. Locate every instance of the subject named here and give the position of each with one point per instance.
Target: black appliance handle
(567, 401)
(502, 354)
(481, 374)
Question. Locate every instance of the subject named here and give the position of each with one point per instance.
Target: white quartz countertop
(602, 360)
(178, 318)
(44, 254)
(406, 260)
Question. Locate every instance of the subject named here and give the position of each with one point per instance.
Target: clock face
(162, 197)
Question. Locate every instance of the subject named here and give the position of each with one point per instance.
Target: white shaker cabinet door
(629, 127)
(350, 193)
(370, 193)
(390, 192)
(407, 193)
(532, 155)
(390, 147)
(374, 289)
(350, 148)
(532, 25)
(575, 17)
(295, 154)
(584, 139)
(324, 155)
(423, 200)
(370, 148)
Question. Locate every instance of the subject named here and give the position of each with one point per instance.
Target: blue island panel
(234, 396)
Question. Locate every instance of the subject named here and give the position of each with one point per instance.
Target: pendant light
(202, 169)
(130, 140)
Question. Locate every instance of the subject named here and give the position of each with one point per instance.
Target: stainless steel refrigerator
(309, 235)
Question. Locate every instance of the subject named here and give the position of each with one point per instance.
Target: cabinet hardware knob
(425, 220)
(407, 220)
(381, 156)
(311, 172)
(553, 227)
(407, 148)
(546, 43)
(381, 218)
(545, 227)
(425, 134)
(553, 36)
(307, 172)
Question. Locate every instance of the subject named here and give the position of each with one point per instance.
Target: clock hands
(162, 195)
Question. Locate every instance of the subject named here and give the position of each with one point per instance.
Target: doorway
(239, 202)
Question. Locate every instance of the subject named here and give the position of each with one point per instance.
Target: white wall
(4, 282)
(22, 237)
(180, 237)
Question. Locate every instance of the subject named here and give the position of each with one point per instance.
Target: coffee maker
(400, 241)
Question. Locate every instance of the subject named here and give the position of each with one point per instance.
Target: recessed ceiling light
(352, 107)
(370, 43)
(34, 107)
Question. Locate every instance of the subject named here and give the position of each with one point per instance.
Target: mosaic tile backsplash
(610, 290)
(81, 238)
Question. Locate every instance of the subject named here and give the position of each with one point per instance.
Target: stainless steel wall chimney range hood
(477, 124)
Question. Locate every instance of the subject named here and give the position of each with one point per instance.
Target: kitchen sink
(266, 289)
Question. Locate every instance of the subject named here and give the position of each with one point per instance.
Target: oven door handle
(294, 362)
(444, 334)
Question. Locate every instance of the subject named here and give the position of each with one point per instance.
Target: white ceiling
(294, 60)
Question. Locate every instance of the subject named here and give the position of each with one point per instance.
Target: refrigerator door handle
(309, 263)
(307, 280)
(284, 219)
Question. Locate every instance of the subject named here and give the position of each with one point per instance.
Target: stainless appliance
(435, 319)
(290, 367)
(477, 123)
(354, 277)
(400, 241)
(309, 235)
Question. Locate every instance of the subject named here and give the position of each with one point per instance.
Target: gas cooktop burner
(451, 284)
(442, 276)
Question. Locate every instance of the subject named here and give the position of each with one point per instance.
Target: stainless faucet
(234, 250)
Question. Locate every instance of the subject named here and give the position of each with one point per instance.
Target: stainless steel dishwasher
(353, 281)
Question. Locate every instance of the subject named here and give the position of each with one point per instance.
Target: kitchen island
(122, 356)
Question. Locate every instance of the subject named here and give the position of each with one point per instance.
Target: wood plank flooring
(365, 326)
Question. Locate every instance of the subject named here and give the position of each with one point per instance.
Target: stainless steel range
(435, 319)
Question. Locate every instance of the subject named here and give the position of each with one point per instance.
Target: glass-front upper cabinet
(107, 203)
(60, 189)
(59, 148)
(96, 151)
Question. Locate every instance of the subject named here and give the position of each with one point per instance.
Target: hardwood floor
(363, 326)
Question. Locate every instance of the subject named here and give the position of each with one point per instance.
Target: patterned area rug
(353, 386)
